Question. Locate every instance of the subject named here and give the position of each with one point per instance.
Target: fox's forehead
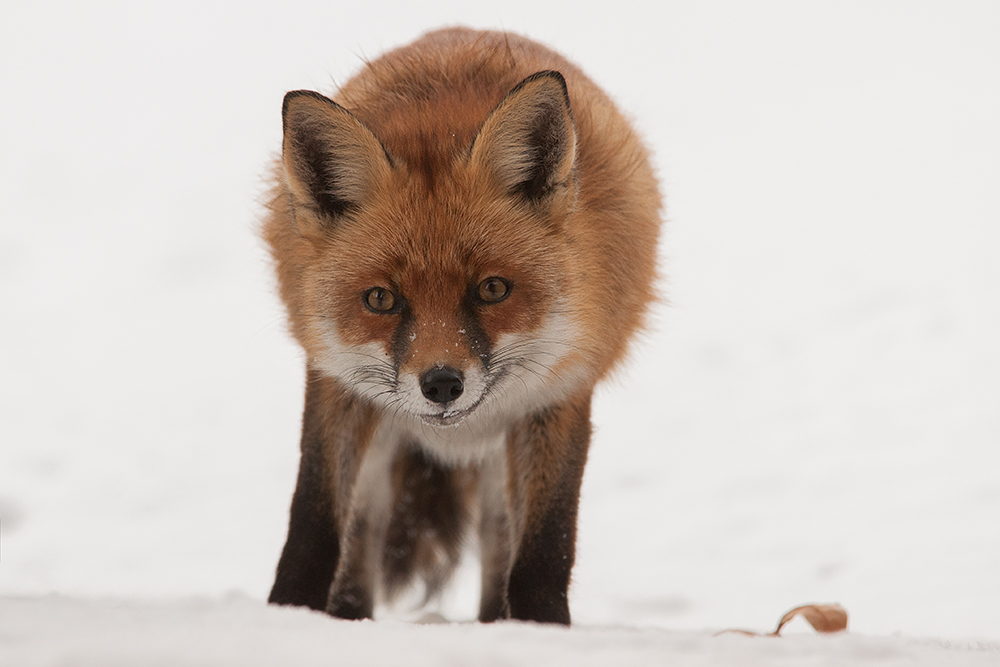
(443, 242)
(431, 217)
(408, 254)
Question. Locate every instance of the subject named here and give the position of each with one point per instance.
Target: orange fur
(441, 164)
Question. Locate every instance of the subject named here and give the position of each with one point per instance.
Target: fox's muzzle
(442, 384)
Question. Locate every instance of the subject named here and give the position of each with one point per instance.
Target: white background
(813, 417)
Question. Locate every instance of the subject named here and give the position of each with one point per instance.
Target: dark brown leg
(549, 450)
(309, 559)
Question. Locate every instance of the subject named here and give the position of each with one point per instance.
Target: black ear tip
(546, 74)
(295, 94)
(552, 74)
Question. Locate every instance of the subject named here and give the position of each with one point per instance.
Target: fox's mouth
(446, 418)
(454, 416)
(450, 417)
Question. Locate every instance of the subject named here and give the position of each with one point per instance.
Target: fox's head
(434, 281)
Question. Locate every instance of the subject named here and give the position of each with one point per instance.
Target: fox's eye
(380, 300)
(494, 289)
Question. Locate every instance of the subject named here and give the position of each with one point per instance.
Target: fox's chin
(446, 418)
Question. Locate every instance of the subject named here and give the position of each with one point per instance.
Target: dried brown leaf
(823, 617)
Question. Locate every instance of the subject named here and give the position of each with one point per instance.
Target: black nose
(442, 384)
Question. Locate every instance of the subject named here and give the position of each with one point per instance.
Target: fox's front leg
(330, 560)
(309, 560)
(495, 537)
(362, 544)
(547, 455)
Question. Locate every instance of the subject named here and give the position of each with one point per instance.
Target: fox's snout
(442, 384)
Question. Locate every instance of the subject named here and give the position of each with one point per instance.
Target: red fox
(465, 241)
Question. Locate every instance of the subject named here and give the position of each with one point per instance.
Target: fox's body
(465, 241)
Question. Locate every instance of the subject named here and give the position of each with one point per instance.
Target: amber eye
(380, 300)
(494, 289)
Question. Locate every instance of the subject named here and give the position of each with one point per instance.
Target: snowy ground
(249, 633)
(813, 418)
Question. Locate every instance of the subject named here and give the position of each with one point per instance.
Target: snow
(811, 418)
(249, 633)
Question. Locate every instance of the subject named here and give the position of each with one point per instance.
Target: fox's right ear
(331, 160)
(528, 143)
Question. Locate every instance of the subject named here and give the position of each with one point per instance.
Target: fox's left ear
(529, 141)
(332, 161)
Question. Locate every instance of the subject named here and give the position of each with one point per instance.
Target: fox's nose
(442, 384)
